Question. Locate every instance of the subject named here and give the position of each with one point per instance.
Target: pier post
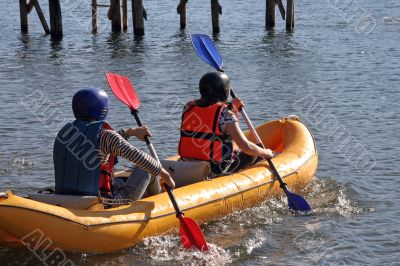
(181, 10)
(94, 16)
(125, 14)
(270, 14)
(30, 6)
(281, 9)
(23, 11)
(116, 15)
(138, 20)
(55, 18)
(41, 16)
(216, 10)
(290, 15)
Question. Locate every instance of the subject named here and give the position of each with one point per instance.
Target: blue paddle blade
(206, 50)
(296, 202)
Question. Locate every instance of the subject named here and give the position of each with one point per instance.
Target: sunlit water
(340, 74)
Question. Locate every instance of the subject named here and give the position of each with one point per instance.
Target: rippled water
(339, 71)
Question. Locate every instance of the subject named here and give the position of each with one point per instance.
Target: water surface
(339, 71)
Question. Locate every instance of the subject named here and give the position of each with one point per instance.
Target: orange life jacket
(107, 172)
(201, 137)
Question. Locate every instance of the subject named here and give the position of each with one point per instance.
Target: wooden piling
(23, 11)
(116, 16)
(125, 14)
(94, 16)
(270, 14)
(216, 10)
(55, 18)
(181, 10)
(41, 16)
(138, 20)
(290, 15)
(30, 6)
(281, 9)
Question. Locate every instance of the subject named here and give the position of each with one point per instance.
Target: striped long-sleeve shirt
(112, 142)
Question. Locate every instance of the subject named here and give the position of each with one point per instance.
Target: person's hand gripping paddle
(191, 234)
(207, 51)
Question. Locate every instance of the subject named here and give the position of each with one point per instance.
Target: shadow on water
(182, 33)
(138, 40)
(277, 42)
(22, 49)
(117, 44)
(182, 44)
(216, 38)
(139, 45)
(270, 31)
(56, 39)
(24, 38)
(56, 46)
(120, 46)
(181, 39)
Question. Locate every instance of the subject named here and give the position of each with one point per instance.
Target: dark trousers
(241, 160)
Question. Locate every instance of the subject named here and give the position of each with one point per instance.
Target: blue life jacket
(76, 158)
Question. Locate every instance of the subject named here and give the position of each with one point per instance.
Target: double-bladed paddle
(191, 234)
(207, 51)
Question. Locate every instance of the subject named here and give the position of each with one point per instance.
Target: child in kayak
(85, 153)
(210, 127)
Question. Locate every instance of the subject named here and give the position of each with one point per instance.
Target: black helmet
(90, 104)
(215, 85)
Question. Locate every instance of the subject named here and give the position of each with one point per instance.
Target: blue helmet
(88, 104)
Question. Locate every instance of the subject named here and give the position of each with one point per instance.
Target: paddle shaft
(179, 213)
(171, 195)
(258, 140)
(248, 122)
(135, 113)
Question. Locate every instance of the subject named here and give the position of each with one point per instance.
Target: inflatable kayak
(91, 228)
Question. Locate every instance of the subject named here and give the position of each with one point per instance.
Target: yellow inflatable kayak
(26, 222)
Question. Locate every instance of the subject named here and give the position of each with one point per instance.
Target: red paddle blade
(191, 234)
(123, 90)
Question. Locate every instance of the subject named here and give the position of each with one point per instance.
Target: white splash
(169, 249)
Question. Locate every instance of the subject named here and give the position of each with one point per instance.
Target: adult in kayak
(86, 150)
(210, 127)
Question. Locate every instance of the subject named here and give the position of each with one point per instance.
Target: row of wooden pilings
(118, 14)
